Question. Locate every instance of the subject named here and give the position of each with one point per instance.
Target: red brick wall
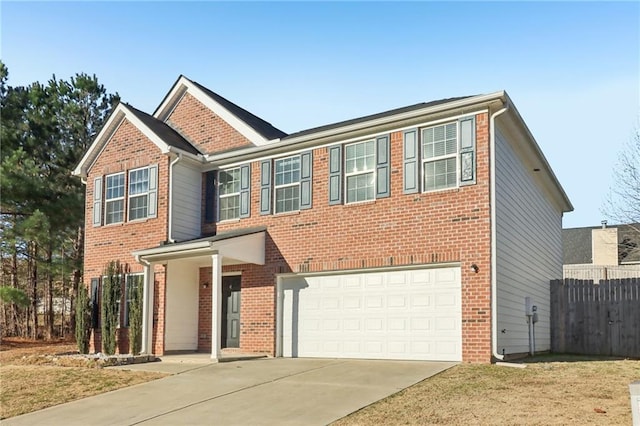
(444, 226)
(127, 149)
(200, 126)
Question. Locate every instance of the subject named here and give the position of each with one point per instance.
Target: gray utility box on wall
(634, 390)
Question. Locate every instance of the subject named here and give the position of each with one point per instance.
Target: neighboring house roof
(577, 244)
(163, 136)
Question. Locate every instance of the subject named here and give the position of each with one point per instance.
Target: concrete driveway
(281, 391)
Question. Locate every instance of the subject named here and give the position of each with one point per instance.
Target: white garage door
(411, 314)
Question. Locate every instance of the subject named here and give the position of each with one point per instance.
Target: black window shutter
(209, 197)
(95, 302)
(245, 190)
(97, 201)
(411, 161)
(152, 205)
(335, 175)
(306, 196)
(383, 169)
(265, 187)
(467, 150)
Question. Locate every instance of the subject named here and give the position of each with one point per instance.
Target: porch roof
(246, 245)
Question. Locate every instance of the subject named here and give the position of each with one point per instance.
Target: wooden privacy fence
(596, 318)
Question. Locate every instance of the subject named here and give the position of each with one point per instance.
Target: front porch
(201, 309)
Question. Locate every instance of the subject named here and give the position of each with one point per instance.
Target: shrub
(135, 314)
(111, 294)
(83, 319)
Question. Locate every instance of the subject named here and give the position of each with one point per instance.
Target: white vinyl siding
(360, 166)
(229, 189)
(181, 333)
(114, 199)
(287, 184)
(528, 250)
(186, 202)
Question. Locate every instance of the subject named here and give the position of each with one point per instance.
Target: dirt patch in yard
(543, 393)
(31, 380)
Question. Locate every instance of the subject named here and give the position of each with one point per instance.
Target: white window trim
(348, 174)
(286, 185)
(129, 196)
(109, 200)
(424, 160)
(233, 194)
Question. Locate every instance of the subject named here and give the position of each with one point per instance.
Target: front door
(231, 312)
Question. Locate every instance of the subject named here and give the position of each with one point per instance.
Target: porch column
(216, 305)
(147, 309)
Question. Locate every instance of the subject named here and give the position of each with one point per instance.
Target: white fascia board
(164, 147)
(165, 251)
(513, 111)
(341, 141)
(473, 101)
(176, 94)
(245, 248)
(109, 128)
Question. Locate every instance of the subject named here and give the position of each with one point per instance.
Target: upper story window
(229, 190)
(138, 196)
(439, 157)
(287, 184)
(114, 199)
(138, 193)
(360, 171)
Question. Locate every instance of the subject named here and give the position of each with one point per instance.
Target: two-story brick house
(415, 233)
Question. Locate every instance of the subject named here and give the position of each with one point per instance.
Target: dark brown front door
(231, 312)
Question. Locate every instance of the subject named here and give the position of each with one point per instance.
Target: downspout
(173, 163)
(494, 285)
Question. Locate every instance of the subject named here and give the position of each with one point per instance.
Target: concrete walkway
(283, 391)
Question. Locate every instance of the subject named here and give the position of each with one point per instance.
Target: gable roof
(158, 132)
(267, 130)
(256, 130)
(164, 131)
(577, 244)
(376, 116)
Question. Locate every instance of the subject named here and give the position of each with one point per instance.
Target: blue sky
(572, 69)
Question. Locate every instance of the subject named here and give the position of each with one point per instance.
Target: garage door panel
(386, 315)
(397, 301)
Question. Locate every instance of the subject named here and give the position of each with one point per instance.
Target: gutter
(173, 163)
(494, 281)
(311, 138)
